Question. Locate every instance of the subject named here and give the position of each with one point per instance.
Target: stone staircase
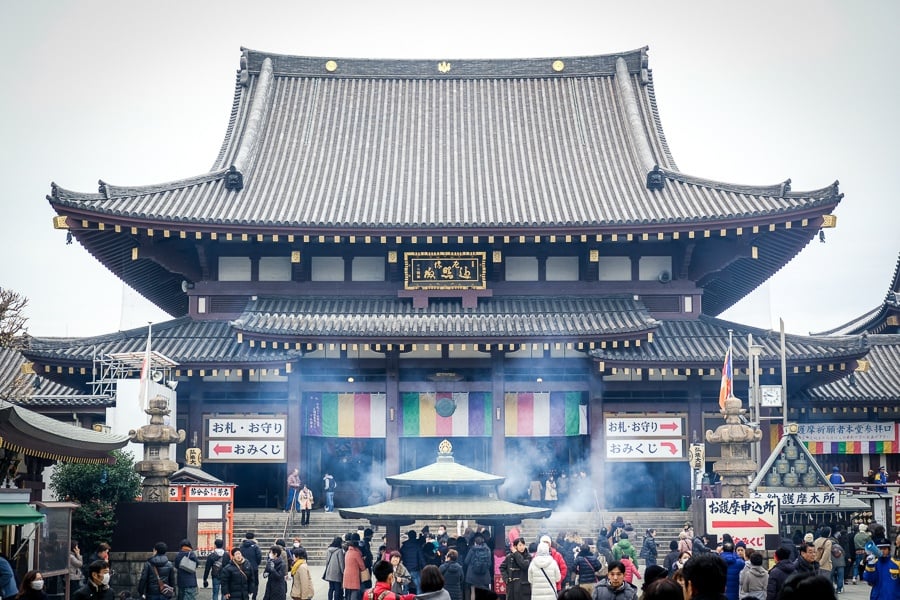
(269, 525)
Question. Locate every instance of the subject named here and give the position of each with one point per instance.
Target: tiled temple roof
(494, 320)
(702, 343)
(185, 341)
(34, 391)
(880, 382)
(398, 145)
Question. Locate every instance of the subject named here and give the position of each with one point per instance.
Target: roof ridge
(778, 190)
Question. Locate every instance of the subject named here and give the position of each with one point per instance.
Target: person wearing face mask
(96, 586)
(276, 569)
(32, 587)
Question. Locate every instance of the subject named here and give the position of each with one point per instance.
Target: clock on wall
(770, 396)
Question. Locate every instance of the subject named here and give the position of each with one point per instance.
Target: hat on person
(186, 542)
(882, 542)
(652, 573)
(543, 549)
(545, 539)
(882, 468)
(808, 538)
(834, 469)
(741, 544)
(863, 527)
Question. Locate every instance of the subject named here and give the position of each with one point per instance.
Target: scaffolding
(110, 368)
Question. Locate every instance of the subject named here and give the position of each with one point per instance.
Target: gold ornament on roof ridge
(558, 65)
(331, 66)
(444, 66)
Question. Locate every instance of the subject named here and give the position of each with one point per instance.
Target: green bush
(98, 488)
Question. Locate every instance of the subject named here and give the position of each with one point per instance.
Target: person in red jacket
(559, 560)
(383, 572)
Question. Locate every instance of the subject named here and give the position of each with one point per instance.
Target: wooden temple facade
(502, 253)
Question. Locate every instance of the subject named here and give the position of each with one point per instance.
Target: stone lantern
(735, 466)
(156, 438)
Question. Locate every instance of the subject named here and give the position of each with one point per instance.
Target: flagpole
(146, 371)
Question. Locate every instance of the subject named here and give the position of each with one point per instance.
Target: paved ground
(851, 592)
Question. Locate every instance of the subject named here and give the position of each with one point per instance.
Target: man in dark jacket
(215, 562)
(96, 586)
(253, 555)
(413, 557)
(806, 562)
(158, 571)
(514, 570)
(779, 573)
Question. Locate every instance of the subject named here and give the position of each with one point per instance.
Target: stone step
(270, 525)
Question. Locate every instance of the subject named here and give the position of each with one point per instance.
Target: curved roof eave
(407, 510)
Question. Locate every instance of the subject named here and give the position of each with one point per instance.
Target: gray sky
(752, 92)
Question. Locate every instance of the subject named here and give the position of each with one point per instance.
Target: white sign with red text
(746, 519)
(656, 449)
(256, 450)
(644, 426)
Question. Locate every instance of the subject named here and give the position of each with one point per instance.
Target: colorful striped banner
(471, 418)
(333, 414)
(852, 447)
(544, 414)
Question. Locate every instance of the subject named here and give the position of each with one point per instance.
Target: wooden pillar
(195, 414)
(392, 401)
(498, 428)
(597, 438)
(294, 419)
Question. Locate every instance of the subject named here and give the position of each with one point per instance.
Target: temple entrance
(357, 465)
(646, 484)
(259, 485)
(531, 461)
(473, 452)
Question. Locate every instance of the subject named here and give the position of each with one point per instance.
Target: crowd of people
(468, 566)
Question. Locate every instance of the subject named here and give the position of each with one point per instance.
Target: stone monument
(735, 467)
(156, 438)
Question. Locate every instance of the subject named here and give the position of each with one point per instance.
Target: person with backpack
(649, 551)
(478, 567)
(216, 559)
(824, 544)
(383, 571)
(838, 565)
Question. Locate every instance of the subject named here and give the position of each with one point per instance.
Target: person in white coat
(543, 573)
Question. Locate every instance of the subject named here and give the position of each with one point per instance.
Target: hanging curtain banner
(545, 414)
(333, 414)
(445, 414)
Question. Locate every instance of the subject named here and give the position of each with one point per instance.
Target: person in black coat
(96, 586)
(253, 555)
(237, 577)
(276, 569)
(32, 587)
(157, 571)
(187, 578)
(454, 576)
(778, 574)
(514, 570)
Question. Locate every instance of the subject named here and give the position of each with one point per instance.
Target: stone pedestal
(156, 438)
(735, 467)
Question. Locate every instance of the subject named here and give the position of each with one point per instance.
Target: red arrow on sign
(672, 447)
(757, 523)
(672, 426)
(220, 449)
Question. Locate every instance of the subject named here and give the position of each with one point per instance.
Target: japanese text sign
(644, 427)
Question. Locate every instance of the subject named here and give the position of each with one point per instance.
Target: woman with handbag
(186, 565)
(588, 568)
(543, 573)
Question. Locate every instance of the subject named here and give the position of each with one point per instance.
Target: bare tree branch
(13, 322)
